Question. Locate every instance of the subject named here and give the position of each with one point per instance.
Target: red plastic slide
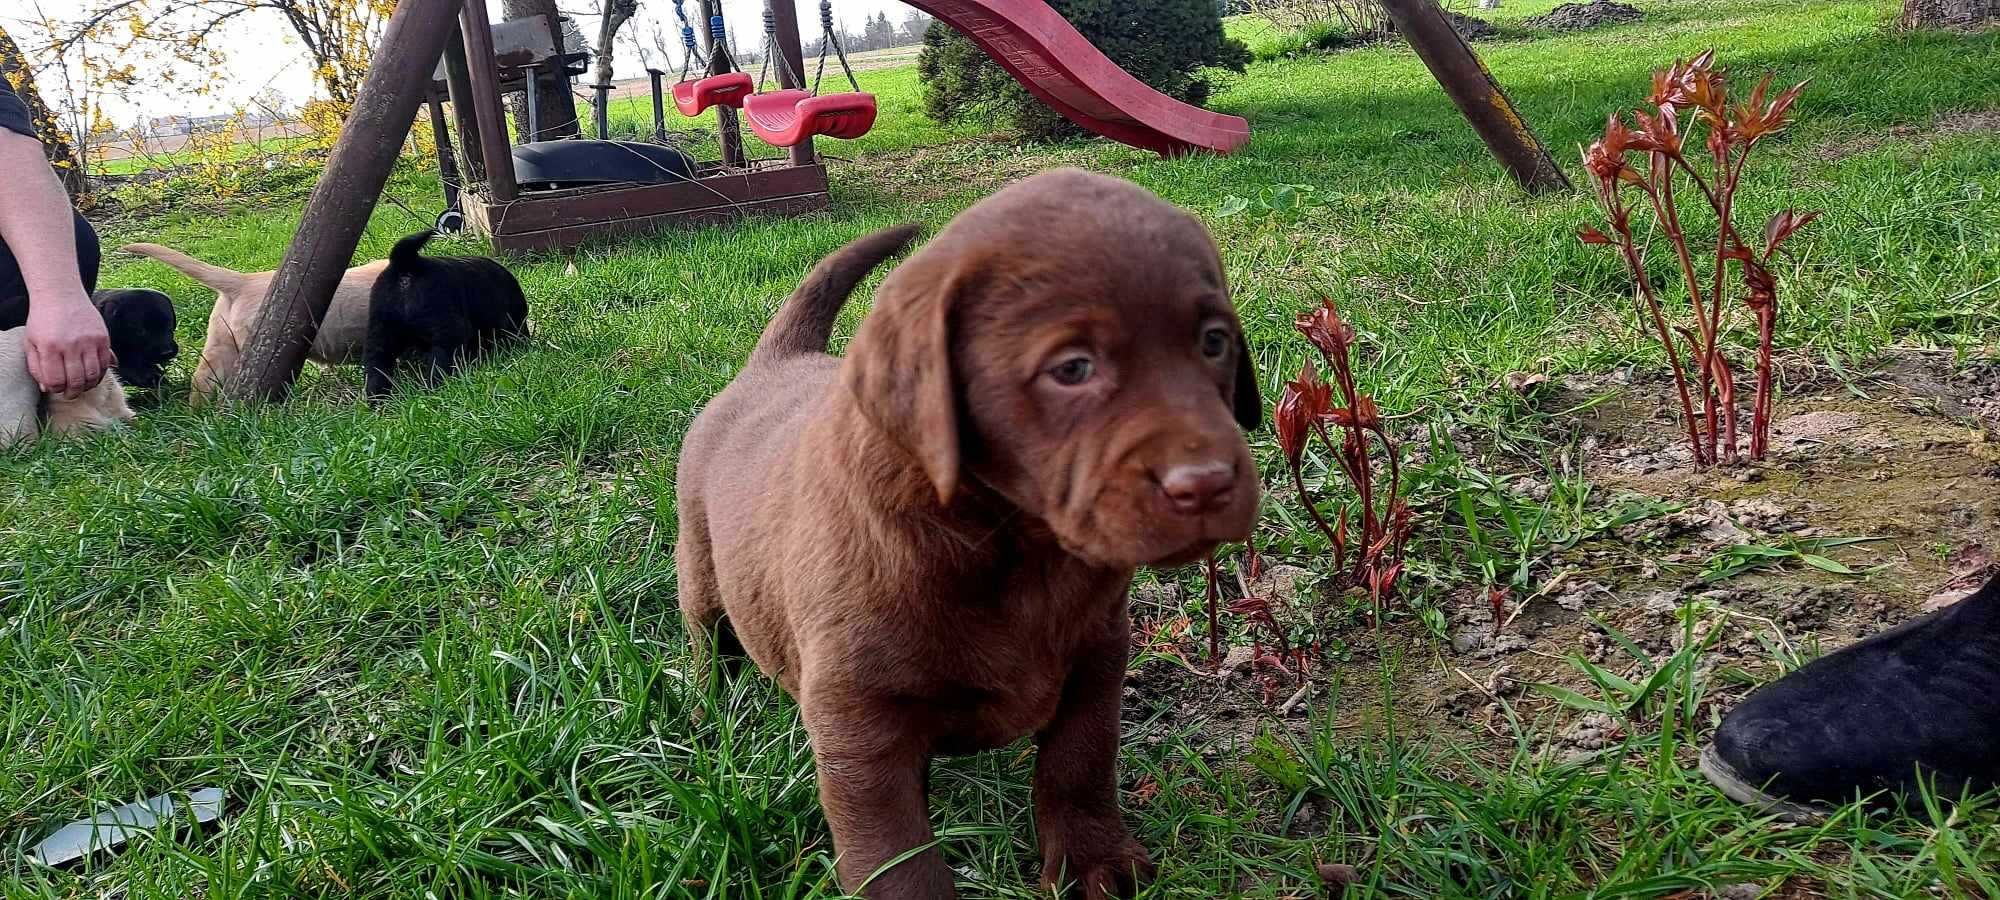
(1041, 50)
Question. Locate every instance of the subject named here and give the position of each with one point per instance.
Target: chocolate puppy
(928, 542)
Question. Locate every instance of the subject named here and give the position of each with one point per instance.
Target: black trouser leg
(14, 289)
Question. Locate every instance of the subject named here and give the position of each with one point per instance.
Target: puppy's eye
(1215, 342)
(1073, 371)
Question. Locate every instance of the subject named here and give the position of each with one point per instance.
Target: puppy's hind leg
(442, 362)
(710, 642)
(382, 350)
(379, 365)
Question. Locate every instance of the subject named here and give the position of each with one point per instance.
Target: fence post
(342, 199)
(1476, 94)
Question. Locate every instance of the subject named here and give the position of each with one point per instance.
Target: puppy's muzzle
(1197, 489)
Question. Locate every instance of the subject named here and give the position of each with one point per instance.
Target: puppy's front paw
(1096, 860)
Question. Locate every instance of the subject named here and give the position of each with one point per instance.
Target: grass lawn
(433, 650)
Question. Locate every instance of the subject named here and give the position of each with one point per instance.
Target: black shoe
(1923, 697)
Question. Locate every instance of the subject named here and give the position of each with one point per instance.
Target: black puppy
(141, 323)
(438, 312)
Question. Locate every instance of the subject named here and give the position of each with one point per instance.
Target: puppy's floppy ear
(1248, 402)
(899, 366)
(1245, 400)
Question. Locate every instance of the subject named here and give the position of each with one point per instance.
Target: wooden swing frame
(518, 220)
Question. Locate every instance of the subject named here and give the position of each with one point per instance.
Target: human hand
(68, 346)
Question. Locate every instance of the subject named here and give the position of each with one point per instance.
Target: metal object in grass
(113, 827)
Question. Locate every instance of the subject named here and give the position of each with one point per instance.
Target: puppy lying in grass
(438, 312)
(26, 413)
(141, 325)
(928, 542)
(239, 298)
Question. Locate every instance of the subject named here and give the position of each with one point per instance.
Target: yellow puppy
(239, 297)
(100, 407)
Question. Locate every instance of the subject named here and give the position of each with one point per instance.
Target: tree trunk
(556, 107)
(616, 14)
(338, 209)
(62, 156)
(1949, 13)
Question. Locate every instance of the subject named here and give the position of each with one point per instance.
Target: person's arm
(68, 347)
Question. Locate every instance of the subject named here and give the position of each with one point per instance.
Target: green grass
(434, 648)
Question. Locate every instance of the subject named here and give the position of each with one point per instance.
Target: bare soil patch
(1581, 16)
(1908, 458)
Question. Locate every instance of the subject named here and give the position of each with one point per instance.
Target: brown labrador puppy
(928, 543)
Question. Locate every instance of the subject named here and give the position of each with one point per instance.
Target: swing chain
(771, 50)
(691, 54)
(830, 40)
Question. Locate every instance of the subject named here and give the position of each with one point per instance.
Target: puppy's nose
(1198, 488)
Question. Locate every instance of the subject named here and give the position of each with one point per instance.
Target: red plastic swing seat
(726, 89)
(784, 118)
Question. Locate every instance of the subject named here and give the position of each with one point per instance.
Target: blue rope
(692, 53)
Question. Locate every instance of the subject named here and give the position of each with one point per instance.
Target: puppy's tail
(409, 252)
(805, 323)
(219, 279)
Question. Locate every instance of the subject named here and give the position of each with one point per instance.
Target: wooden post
(728, 133)
(492, 123)
(458, 81)
(1476, 94)
(556, 117)
(601, 116)
(337, 211)
(795, 60)
(659, 106)
(447, 164)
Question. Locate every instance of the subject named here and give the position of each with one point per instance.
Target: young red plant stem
(1725, 386)
(1370, 528)
(1312, 509)
(1725, 236)
(1359, 469)
(1703, 344)
(1346, 465)
(1760, 411)
(1609, 194)
(1364, 484)
(1725, 231)
(1395, 484)
(1725, 392)
(1357, 474)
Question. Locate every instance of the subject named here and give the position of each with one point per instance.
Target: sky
(262, 53)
